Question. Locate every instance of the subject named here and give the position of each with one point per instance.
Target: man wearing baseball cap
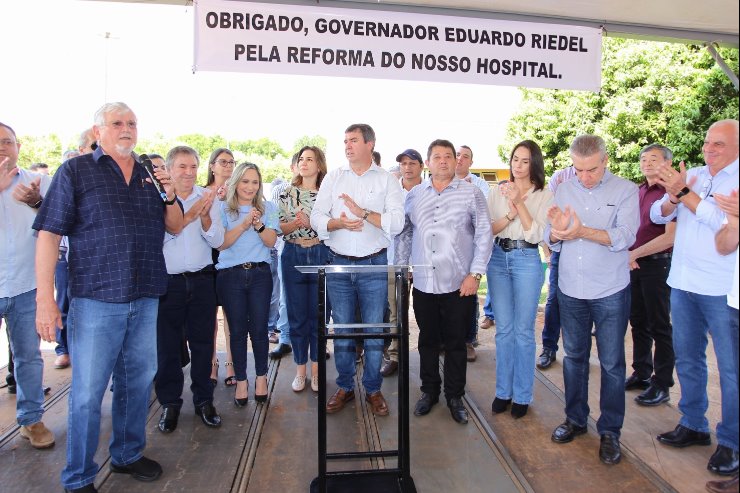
(411, 165)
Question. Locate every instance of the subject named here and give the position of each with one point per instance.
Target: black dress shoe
(425, 403)
(634, 382)
(519, 410)
(208, 415)
(88, 488)
(724, 461)
(168, 420)
(457, 410)
(143, 469)
(682, 437)
(546, 359)
(500, 405)
(566, 432)
(653, 396)
(280, 351)
(609, 451)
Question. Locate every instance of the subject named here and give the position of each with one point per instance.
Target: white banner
(232, 36)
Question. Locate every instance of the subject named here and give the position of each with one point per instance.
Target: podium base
(365, 484)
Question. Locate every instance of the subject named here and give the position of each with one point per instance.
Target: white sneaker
(315, 383)
(299, 383)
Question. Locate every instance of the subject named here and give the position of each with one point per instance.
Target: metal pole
(322, 380)
(720, 61)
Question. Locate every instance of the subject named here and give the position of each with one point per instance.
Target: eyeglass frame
(224, 163)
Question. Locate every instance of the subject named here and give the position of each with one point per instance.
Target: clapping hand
(29, 195)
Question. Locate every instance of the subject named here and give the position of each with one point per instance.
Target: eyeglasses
(706, 187)
(118, 124)
(226, 164)
(7, 142)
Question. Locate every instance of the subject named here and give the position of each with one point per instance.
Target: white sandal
(299, 383)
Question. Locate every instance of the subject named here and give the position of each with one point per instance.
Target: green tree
(651, 93)
(43, 149)
(315, 140)
(261, 147)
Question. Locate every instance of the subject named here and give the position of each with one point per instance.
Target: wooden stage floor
(272, 447)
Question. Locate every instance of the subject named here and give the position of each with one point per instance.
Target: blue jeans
(370, 293)
(245, 297)
(610, 315)
(283, 325)
(19, 313)
(61, 285)
(515, 278)
(488, 304)
(274, 313)
(694, 316)
(301, 297)
(118, 339)
(551, 330)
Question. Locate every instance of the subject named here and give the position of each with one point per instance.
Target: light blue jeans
(109, 339)
(515, 278)
(278, 309)
(370, 293)
(19, 313)
(693, 316)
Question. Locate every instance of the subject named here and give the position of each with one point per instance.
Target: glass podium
(390, 479)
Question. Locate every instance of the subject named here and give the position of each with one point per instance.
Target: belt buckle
(247, 265)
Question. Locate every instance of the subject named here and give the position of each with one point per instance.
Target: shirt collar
(373, 167)
(427, 183)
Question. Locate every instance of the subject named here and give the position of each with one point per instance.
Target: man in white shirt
(462, 171)
(21, 193)
(358, 210)
(700, 279)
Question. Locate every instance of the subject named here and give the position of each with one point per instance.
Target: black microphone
(149, 167)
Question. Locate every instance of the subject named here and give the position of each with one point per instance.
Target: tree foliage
(268, 154)
(651, 92)
(315, 140)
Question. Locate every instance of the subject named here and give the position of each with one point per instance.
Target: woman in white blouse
(518, 216)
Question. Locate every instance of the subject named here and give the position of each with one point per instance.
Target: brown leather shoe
(38, 434)
(726, 486)
(338, 400)
(61, 362)
(389, 368)
(377, 403)
(470, 352)
(487, 323)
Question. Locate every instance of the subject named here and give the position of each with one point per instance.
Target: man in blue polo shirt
(115, 219)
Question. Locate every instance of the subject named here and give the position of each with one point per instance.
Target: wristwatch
(37, 204)
(367, 213)
(171, 202)
(260, 229)
(684, 191)
(477, 277)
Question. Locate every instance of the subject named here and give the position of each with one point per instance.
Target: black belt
(248, 266)
(356, 259)
(656, 256)
(508, 244)
(205, 271)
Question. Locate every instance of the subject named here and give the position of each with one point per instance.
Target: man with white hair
(700, 279)
(107, 204)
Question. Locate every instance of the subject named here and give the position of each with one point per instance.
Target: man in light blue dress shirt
(20, 196)
(447, 239)
(700, 279)
(592, 224)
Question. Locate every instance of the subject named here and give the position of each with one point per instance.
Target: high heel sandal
(229, 381)
(214, 381)
(241, 402)
(260, 397)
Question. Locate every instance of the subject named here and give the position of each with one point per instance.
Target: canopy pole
(720, 61)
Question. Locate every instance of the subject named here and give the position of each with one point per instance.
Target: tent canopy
(707, 21)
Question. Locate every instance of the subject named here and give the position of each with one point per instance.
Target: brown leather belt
(304, 242)
(357, 259)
